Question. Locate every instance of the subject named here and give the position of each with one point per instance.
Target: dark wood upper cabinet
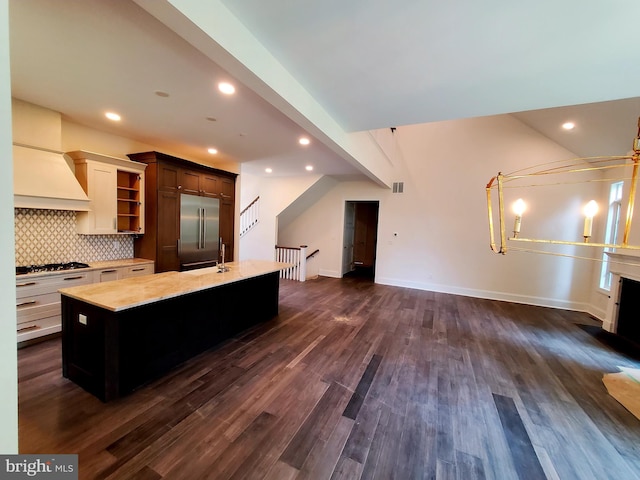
(210, 185)
(227, 189)
(168, 177)
(190, 182)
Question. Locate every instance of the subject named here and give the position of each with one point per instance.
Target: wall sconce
(590, 209)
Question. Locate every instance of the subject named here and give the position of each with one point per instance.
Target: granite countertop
(132, 292)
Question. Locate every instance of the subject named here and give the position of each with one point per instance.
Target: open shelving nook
(115, 187)
(129, 201)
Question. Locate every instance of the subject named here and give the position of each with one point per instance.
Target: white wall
(275, 194)
(441, 218)
(8, 346)
(80, 137)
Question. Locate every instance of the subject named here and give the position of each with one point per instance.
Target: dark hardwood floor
(356, 380)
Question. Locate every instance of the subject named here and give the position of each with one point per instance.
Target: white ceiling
(377, 63)
(369, 63)
(85, 57)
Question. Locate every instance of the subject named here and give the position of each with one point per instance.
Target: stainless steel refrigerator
(199, 231)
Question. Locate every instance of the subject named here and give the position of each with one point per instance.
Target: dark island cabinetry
(166, 178)
(111, 353)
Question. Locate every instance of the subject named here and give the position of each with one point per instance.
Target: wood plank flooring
(356, 380)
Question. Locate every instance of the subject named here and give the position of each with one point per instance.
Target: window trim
(611, 233)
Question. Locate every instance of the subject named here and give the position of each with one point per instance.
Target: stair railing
(296, 256)
(249, 216)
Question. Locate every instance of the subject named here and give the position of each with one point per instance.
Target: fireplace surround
(625, 285)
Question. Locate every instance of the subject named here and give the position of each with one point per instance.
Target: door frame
(349, 234)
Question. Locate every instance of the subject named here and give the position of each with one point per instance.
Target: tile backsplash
(49, 236)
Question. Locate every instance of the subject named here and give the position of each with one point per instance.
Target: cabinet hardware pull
(74, 278)
(107, 271)
(28, 284)
(137, 269)
(24, 304)
(26, 329)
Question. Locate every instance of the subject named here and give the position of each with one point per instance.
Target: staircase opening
(360, 239)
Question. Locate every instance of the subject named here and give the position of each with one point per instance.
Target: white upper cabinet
(115, 188)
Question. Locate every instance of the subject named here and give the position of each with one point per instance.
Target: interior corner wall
(8, 345)
(442, 241)
(275, 194)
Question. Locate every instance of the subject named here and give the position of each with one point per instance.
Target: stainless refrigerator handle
(199, 228)
(204, 228)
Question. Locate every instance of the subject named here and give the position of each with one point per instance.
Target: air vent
(398, 187)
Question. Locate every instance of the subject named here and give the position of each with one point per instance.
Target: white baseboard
(486, 294)
(329, 273)
(597, 313)
(491, 295)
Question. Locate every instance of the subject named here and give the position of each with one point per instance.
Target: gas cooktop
(50, 267)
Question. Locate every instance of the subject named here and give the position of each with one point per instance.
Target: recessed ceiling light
(308, 168)
(212, 151)
(304, 141)
(160, 93)
(112, 116)
(568, 125)
(226, 88)
(268, 170)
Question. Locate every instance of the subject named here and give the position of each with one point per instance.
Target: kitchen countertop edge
(119, 295)
(102, 264)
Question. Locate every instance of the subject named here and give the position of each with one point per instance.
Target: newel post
(303, 263)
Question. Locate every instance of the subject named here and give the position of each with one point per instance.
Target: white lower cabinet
(38, 300)
(136, 271)
(118, 273)
(107, 275)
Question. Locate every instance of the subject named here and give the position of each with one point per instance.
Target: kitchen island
(119, 335)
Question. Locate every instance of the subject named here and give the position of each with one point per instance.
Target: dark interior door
(365, 234)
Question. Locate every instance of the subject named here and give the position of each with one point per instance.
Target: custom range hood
(43, 179)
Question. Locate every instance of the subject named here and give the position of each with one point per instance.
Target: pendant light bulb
(519, 207)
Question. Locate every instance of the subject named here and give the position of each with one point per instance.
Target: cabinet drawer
(40, 285)
(38, 328)
(107, 275)
(136, 271)
(38, 306)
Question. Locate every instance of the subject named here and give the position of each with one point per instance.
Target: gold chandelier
(575, 166)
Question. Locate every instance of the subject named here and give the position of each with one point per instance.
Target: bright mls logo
(52, 467)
